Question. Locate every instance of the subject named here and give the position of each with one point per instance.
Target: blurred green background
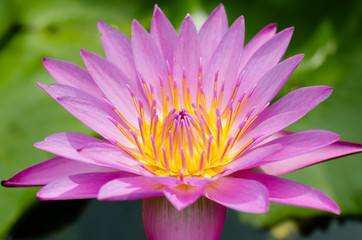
(328, 32)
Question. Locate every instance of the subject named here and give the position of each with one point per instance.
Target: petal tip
(101, 26)
(5, 183)
(40, 197)
(42, 85)
(300, 56)
(288, 32)
(38, 144)
(156, 10)
(84, 52)
(337, 210)
(272, 26)
(86, 55)
(135, 23)
(220, 6)
(45, 60)
(137, 27)
(188, 18)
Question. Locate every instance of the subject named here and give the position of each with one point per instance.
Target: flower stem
(202, 220)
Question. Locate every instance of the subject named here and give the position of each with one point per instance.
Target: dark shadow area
(46, 217)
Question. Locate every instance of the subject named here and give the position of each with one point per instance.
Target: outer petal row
(285, 111)
(292, 193)
(337, 149)
(89, 150)
(80, 186)
(118, 50)
(91, 111)
(72, 75)
(50, 170)
(283, 148)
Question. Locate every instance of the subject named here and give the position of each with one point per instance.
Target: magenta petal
(300, 143)
(268, 86)
(239, 194)
(196, 181)
(88, 149)
(264, 59)
(211, 33)
(72, 75)
(88, 109)
(164, 34)
(130, 189)
(334, 150)
(148, 59)
(50, 170)
(305, 99)
(118, 50)
(183, 195)
(80, 186)
(202, 220)
(186, 59)
(292, 193)
(286, 111)
(114, 84)
(224, 62)
(164, 180)
(255, 43)
(254, 158)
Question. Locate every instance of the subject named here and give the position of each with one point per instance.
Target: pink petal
(271, 83)
(113, 84)
(285, 111)
(202, 220)
(130, 189)
(186, 59)
(334, 150)
(118, 50)
(255, 43)
(254, 158)
(50, 170)
(182, 196)
(211, 33)
(264, 59)
(88, 109)
(110, 155)
(72, 75)
(292, 193)
(268, 86)
(79, 146)
(303, 98)
(225, 61)
(196, 181)
(270, 126)
(148, 58)
(239, 194)
(164, 34)
(80, 186)
(164, 180)
(300, 143)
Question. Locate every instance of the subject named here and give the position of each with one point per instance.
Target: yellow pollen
(182, 138)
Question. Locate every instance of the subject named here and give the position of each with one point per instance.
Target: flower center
(189, 139)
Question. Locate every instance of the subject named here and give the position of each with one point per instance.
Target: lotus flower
(186, 125)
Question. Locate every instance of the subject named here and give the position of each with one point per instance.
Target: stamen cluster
(183, 137)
